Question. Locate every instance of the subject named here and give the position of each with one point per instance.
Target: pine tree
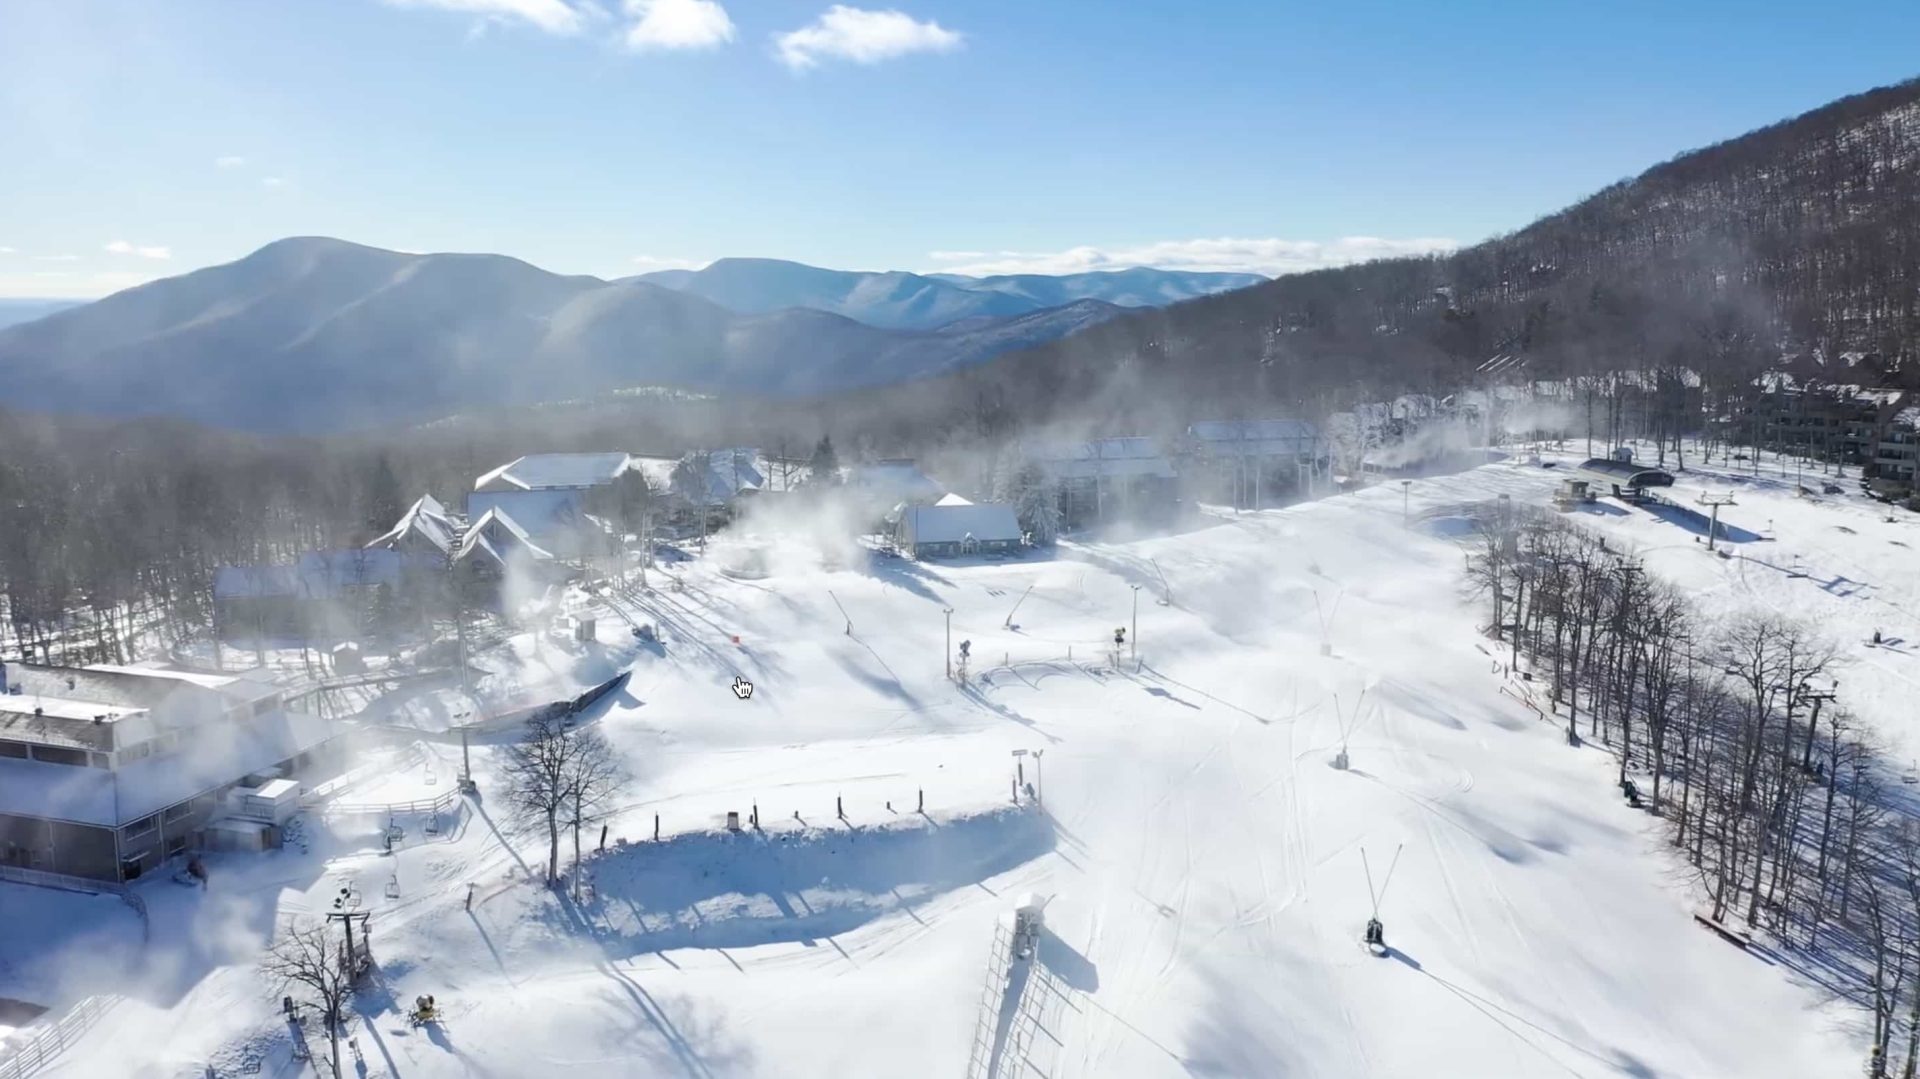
(825, 465)
(1035, 504)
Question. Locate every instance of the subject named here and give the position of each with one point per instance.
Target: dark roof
(1626, 473)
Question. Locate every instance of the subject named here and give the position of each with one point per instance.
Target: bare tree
(541, 773)
(304, 957)
(594, 777)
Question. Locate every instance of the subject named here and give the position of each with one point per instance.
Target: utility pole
(1813, 724)
(948, 611)
(1405, 486)
(1039, 779)
(1133, 639)
(1715, 502)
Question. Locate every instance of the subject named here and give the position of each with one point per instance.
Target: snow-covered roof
(951, 499)
(727, 473)
(986, 522)
(1130, 456)
(122, 688)
(495, 535)
(426, 520)
(105, 798)
(554, 471)
(1253, 437)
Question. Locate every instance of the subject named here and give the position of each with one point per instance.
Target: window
(60, 755)
(137, 829)
(130, 869)
(266, 704)
(175, 813)
(13, 749)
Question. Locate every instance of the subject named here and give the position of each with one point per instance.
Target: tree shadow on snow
(727, 890)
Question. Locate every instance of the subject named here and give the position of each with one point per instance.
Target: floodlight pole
(948, 611)
(1405, 486)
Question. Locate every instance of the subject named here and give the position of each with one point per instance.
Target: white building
(954, 526)
(106, 772)
(546, 495)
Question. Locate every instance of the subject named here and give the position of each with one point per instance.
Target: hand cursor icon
(742, 688)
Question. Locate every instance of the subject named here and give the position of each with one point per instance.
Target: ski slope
(1202, 857)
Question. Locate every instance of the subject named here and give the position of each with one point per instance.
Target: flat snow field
(1203, 857)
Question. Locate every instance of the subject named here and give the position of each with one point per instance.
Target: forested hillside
(1798, 244)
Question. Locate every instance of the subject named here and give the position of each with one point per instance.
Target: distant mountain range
(317, 335)
(14, 312)
(910, 301)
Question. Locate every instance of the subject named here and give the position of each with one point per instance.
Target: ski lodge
(106, 772)
(954, 527)
(1109, 479)
(1247, 463)
(547, 495)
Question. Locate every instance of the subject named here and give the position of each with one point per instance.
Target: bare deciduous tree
(305, 957)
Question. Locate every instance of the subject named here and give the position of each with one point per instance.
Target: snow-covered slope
(1203, 859)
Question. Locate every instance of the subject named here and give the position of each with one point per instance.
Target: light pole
(1405, 486)
(1039, 779)
(1133, 641)
(948, 611)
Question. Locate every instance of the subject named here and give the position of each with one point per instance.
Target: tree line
(1769, 790)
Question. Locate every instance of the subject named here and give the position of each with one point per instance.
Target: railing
(393, 809)
(49, 1041)
(41, 878)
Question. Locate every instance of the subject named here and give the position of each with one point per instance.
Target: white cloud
(552, 16)
(1265, 256)
(6, 251)
(862, 36)
(649, 263)
(273, 181)
(230, 161)
(56, 258)
(677, 24)
(122, 247)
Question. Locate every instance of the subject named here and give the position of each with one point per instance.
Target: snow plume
(798, 531)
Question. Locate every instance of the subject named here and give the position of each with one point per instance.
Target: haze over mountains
(910, 301)
(315, 335)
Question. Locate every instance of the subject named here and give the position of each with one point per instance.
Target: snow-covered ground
(1203, 858)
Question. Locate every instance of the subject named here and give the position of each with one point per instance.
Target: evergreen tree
(382, 498)
(825, 465)
(1036, 504)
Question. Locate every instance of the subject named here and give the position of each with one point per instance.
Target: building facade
(107, 772)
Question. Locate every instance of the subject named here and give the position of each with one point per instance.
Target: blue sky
(141, 139)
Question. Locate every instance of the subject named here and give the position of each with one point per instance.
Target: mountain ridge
(314, 334)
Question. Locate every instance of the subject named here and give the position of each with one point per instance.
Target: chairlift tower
(1715, 502)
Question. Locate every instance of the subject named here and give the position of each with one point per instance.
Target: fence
(981, 1058)
(49, 1041)
(393, 809)
(40, 878)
